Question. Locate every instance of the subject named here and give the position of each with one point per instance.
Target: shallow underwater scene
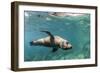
(74, 27)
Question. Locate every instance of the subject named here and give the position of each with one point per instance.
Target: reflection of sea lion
(52, 41)
(59, 14)
(63, 14)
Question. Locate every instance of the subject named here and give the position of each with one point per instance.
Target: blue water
(76, 29)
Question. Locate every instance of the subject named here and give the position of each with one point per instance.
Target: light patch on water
(67, 24)
(73, 14)
(26, 14)
(48, 19)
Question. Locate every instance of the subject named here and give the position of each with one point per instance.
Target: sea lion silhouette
(55, 42)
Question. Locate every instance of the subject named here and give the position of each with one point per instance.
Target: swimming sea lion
(52, 41)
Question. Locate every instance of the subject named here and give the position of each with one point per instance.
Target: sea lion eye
(67, 42)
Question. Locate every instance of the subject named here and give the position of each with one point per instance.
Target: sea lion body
(52, 41)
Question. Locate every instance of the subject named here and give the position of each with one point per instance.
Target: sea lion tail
(31, 43)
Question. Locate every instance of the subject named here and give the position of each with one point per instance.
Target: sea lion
(52, 41)
(63, 14)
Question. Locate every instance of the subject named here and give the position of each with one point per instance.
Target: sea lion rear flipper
(54, 49)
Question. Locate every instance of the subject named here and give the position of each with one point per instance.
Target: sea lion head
(66, 45)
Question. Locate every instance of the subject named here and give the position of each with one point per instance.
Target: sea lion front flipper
(54, 49)
(49, 34)
(52, 42)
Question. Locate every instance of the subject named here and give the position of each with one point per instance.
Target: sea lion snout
(69, 46)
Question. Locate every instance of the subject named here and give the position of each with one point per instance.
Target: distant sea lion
(63, 14)
(55, 42)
